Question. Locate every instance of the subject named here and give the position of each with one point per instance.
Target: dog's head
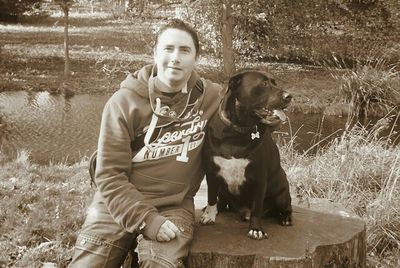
(258, 98)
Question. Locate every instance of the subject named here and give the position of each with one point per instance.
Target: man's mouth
(174, 68)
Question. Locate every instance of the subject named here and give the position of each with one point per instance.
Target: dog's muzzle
(274, 115)
(271, 117)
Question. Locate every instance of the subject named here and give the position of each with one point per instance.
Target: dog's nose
(287, 96)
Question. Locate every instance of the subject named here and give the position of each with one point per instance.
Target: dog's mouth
(271, 116)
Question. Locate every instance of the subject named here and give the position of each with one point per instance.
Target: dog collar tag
(255, 135)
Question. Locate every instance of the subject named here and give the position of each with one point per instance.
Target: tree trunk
(66, 44)
(324, 236)
(228, 60)
(141, 6)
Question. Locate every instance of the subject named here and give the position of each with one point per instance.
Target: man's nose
(175, 56)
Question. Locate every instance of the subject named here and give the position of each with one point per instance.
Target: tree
(228, 29)
(216, 31)
(65, 5)
(228, 25)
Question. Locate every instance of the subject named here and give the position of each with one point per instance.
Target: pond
(52, 128)
(57, 129)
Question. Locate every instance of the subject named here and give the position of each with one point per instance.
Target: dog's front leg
(283, 200)
(210, 211)
(255, 229)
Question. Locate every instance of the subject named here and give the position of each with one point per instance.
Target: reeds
(359, 170)
(371, 86)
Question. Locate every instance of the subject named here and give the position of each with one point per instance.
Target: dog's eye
(266, 83)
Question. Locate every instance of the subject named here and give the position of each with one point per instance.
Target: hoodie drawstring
(152, 126)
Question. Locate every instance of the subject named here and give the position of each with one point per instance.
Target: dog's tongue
(280, 114)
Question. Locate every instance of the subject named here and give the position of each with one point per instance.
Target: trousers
(102, 243)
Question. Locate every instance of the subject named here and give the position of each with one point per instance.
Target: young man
(149, 163)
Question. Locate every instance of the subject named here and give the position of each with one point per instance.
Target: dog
(243, 170)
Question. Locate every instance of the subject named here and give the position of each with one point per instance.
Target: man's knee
(93, 251)
(157, 262)
(162, 254)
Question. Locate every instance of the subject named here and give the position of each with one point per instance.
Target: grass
(372, 87)
(361, 171)
(42, 207)
(102, 51)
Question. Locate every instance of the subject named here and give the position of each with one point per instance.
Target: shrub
(11, 10)
(372, 84)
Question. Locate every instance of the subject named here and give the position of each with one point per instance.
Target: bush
(371, 86)
(11, 10)
(298, 31)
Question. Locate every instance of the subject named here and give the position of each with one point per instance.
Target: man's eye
(168, 48)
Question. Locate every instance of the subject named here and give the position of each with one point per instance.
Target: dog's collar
(226, 121)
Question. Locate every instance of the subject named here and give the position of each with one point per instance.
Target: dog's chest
(232, 170)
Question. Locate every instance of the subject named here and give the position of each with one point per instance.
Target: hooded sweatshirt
(167, 172)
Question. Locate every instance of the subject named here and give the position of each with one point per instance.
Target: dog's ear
(234, 82)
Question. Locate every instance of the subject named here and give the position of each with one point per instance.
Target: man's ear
(154, 52)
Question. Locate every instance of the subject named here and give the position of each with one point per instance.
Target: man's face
(175, 56)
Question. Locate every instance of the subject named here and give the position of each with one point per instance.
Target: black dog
(242, 161)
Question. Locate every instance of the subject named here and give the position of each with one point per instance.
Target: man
(149, 159)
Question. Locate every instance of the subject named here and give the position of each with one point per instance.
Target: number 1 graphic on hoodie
(183, 156)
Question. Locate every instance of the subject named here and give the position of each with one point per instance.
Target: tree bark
(228, 60)
(141, 6)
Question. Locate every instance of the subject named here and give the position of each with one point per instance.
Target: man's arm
(124, 202)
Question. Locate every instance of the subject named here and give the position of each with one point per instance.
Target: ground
(102, 52)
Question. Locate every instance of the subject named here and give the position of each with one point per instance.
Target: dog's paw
(286, 220)
(209, 215)
(257, 234)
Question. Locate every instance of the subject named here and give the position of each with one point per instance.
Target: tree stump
(322, 235)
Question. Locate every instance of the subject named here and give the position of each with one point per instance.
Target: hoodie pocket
(149, 185)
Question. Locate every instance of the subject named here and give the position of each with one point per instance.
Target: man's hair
(180, 25)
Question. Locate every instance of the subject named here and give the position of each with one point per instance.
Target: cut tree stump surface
(331, 238)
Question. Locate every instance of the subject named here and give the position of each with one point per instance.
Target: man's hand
(167, 232)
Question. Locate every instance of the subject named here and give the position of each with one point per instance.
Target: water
(53, 128)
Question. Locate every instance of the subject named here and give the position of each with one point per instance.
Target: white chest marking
(232, 170)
